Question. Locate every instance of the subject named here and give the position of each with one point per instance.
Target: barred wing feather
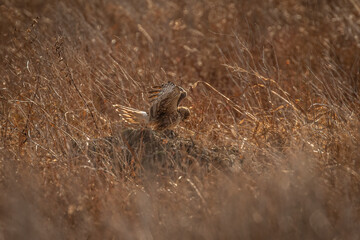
(132, 115)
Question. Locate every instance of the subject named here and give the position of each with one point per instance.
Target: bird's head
(184, 113)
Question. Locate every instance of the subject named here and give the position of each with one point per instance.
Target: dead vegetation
(271, 149)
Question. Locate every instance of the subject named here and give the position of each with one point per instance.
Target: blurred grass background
(280, 102)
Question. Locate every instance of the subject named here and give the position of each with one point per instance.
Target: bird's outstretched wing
(132, 115)
(161, 91)
(165, 99)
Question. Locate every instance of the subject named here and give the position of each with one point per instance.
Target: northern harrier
(164, 112)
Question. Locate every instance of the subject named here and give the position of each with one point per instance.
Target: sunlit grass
(271, 149)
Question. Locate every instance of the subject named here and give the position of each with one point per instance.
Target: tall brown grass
(274, 95)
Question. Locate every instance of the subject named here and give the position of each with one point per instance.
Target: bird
(164, 113)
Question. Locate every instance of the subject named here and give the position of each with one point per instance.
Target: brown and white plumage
(132, 115)
(164, 112)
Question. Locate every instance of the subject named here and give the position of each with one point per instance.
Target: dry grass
(276, 99)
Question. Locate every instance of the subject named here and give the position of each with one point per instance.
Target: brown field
(271, 150)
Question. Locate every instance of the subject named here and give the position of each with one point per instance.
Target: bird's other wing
(183, 95)
(165, 99)
(132, 115)
(160, 92)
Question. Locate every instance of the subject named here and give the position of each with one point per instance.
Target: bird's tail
(131, 115)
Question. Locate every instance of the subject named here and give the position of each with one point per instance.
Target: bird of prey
(164, 112)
